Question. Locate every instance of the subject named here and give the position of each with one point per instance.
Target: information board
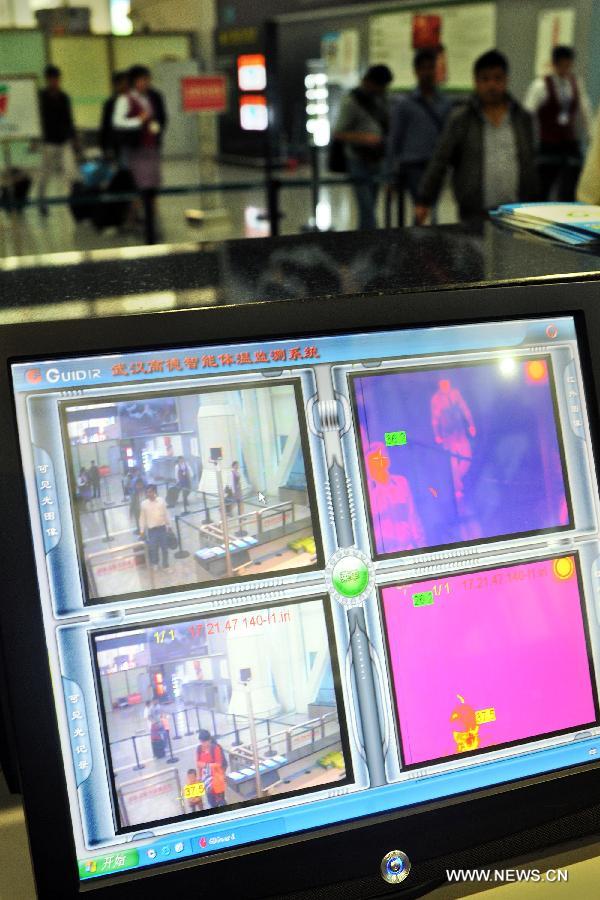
(204, 93)
(19, 108)
(465, 31)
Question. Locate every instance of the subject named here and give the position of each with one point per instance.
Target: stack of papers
(569, 223)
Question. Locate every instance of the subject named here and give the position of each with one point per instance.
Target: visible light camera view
(460, 454)
(189, 489)
(219, 711)
(488, 658)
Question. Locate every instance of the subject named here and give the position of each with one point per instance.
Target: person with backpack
(488, 143)
(212, 765)
(362, 127)
(417, 120)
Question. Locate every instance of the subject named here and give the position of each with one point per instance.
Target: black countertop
(98, 283)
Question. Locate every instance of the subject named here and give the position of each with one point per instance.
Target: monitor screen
(294, 583)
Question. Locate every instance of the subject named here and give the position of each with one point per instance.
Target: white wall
(199, 16)
(22, 12)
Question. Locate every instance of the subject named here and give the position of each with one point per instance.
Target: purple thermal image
(461, 454)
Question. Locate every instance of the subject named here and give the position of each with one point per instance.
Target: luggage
(172, 496)
(95, 173)
(114, 214)
(15, 189)
(83, 201)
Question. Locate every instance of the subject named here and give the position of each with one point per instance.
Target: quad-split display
(290, 584)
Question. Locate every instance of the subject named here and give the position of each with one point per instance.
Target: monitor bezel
(349, 850)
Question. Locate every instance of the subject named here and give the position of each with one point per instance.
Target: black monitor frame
(471, 829)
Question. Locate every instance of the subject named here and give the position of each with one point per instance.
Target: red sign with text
(204, 93)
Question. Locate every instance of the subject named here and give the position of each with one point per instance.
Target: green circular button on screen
(350, 576)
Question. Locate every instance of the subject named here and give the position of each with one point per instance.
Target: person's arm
(585, 110)
(444, 155)
(106, 126)
(161, 110)
(122, 119)
(435, 418)
(588, 189)
(396, 138)
(346, 124)
(142, 520)
(466, 413)
(72, 131)
(535, 96)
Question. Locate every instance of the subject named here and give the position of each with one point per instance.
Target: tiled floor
(228, 213)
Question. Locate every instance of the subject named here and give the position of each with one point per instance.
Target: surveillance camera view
(214, 712)
(505, 655)
(460, 454)
(192, 488)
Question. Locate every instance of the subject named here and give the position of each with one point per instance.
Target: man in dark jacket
(489, 144)
(60, 147)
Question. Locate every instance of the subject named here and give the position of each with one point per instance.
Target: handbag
(172, 542)
(337, 161)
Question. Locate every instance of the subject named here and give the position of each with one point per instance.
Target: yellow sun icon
(564, 567)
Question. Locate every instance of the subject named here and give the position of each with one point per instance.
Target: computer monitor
(286, 593)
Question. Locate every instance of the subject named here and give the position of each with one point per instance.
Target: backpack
(337, 161)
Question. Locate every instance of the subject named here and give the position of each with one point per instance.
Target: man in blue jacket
(417, 122)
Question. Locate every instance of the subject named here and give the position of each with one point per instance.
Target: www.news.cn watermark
(503, 876)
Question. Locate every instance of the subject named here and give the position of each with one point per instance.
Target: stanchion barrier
(138, 765)
(180, 553)
(171, 759)
(271, 185)
(107, 537)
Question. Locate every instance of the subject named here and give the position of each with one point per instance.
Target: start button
(349, 574)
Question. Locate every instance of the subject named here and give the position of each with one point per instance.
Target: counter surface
(158, 278)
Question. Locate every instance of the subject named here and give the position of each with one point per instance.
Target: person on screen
(562, 109)
(154, 524)
(395, 520)
(212, 764)
(158, 740)
(94, 476)
(453, 426)
(183, 474)
(488, 143)
(137, 492)
(194, 802)
(84, 489)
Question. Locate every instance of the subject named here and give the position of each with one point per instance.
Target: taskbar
(196, 842)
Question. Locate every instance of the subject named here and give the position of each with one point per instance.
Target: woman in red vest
(140, 119)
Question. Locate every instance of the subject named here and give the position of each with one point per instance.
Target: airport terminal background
(209, 36)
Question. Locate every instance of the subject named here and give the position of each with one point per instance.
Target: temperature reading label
(395, 438)
(423, 599)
